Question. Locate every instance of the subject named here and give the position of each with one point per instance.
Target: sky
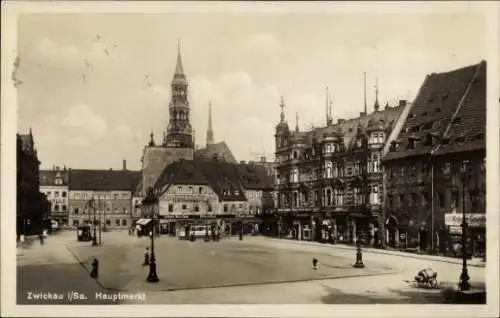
(95, 85)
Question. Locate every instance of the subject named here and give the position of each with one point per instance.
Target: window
(56, 194)
(183, 206)
(441, 200)
(76, 210)
(64, 208)
(196, 208)
(209, 209)
(124, 222)
(179, 189)
(108, 222)
(447, 168)
(117, 222)
(48, 193)
(170, 207)
(455, 202)
(64, 194)
(76, 222)
(56, 207)
(125, 211)
(200, 189)
(411, 143)
(115, 196)
(241, 206)
(401, 199)
(328, 197)
(190, 189)
(116, 210)
(225, 207)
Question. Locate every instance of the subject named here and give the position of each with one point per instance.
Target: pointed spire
(331, 111)
(327, 105)
(376, 106)
(282, 105)
(179, 69)
(297, 122)
(364, 82)
(152, 140)
(210, 115)
(210, 131)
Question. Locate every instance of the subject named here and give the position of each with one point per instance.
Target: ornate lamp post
(464, 276)
(365, 206)
(152, 202)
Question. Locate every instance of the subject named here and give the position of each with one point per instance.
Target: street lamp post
(365, 206)
(152, 201)
(464, 276)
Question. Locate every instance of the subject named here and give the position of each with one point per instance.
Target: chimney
(361, 114)
(124, 164)
(402, 102)
(262, 159)
(340, 121)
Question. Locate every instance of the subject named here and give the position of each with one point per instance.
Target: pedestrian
(146, 257)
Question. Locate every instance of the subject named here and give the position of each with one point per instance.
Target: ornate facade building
(329, 179)
(32, 206)
(435, 168)
(207, 192)
(54, 184)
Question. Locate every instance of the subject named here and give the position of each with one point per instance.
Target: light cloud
(100, 63)
(81, 120)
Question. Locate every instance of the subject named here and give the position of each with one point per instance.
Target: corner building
(329, 179)
(435, 167)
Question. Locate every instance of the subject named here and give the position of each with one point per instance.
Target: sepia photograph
(241, 153)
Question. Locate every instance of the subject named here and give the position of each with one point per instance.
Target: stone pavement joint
(290, 281)
(444, 259)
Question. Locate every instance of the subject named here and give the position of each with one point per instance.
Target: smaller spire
(152, 140)
(297, 121)
(179, 69)
(282, 105)
(376, 106)
(364, 91)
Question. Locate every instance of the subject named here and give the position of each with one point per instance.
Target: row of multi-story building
(397, 176)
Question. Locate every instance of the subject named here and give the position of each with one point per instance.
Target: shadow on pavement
(56, 281)
(447, 295)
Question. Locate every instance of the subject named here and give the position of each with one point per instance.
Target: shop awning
(143, 221)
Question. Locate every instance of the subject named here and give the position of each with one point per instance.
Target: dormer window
(58, 181)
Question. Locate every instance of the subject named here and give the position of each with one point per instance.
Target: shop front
(476, 233)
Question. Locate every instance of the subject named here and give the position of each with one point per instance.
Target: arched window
(328, 197)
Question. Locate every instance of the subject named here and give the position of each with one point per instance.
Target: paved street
(255, 270)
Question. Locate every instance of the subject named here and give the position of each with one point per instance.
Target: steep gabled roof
(228, 180)
(224, 179)
(103, 180)
(349, 129)
(219, 150)
(254, 177)
(466, 130)
(181, 172)
(48, 177)
(436, 103)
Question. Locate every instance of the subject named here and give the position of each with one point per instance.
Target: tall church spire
(297, 122)
(179, 69)
(376, 106)
(210, 131)
(179, 130)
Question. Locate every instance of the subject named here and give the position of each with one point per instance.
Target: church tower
(178, 142)
(179, 130)
(210, 131)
